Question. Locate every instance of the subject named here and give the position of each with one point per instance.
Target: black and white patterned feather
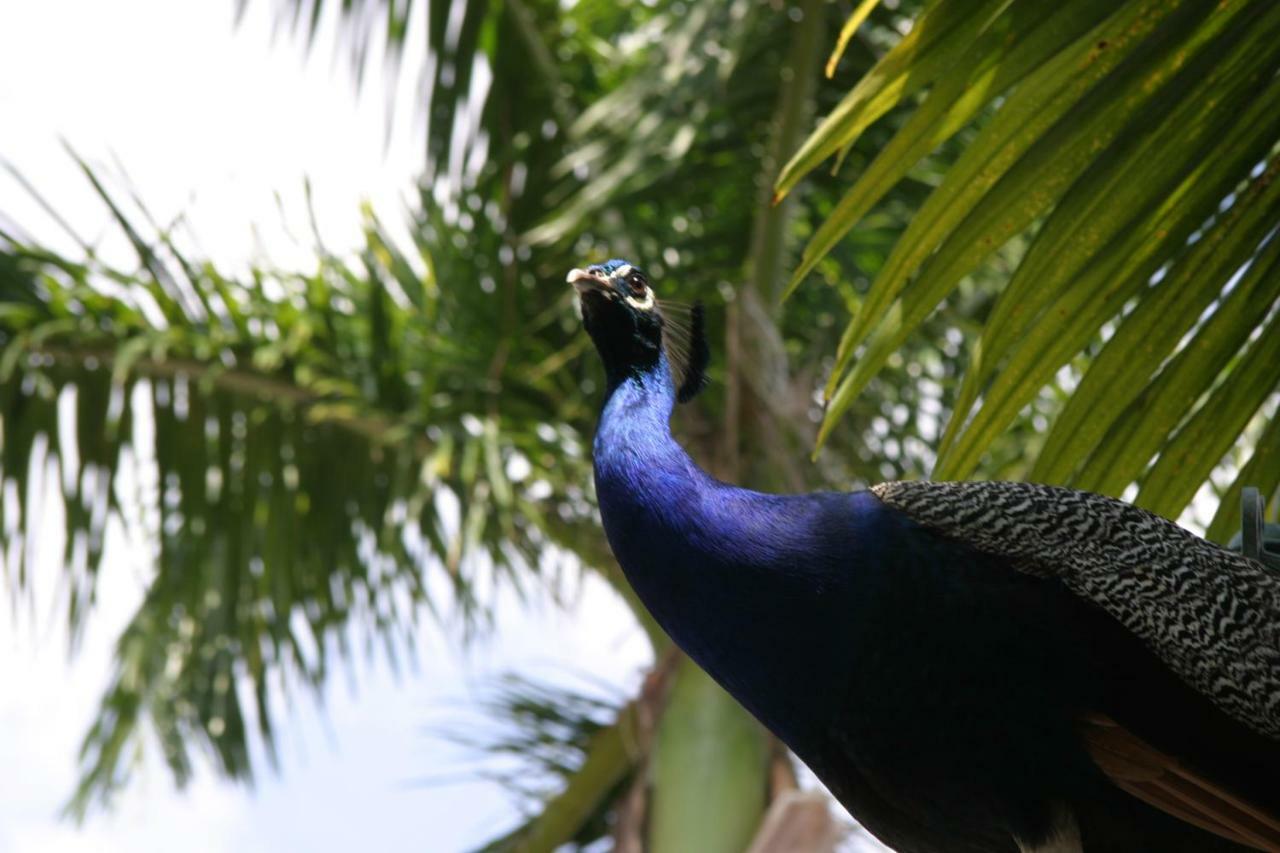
(1213, 616)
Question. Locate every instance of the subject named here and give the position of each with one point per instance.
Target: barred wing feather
(1213, 616)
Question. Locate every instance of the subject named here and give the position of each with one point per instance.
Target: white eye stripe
(644, 304)
(622, 271)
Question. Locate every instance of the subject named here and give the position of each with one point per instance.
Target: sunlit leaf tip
(846, 34)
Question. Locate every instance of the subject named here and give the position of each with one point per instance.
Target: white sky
(208, 120)
(214, 121)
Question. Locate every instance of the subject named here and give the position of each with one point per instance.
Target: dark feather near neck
(687, 352)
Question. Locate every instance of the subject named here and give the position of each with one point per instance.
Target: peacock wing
(1212, 616)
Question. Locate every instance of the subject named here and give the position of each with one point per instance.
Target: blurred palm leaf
(570, 758)
(321, 443)
(1134, 145)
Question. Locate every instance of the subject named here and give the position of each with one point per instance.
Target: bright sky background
(214, 120)
(208, 119)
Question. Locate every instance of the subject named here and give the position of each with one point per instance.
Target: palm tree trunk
(711, 759)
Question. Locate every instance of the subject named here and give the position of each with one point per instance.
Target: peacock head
(632, 328)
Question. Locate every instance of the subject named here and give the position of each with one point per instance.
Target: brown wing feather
(1161, 781)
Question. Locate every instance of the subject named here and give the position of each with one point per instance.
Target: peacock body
(967, 666)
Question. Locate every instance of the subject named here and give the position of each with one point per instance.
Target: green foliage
(1132, 147)
(550, 736)
(598, 753)
(321, 445)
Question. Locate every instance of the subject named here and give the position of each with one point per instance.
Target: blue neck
(728, 573)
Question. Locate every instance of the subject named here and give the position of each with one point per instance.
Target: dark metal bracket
(1257, 539)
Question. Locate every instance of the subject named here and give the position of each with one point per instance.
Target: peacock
(973, 666)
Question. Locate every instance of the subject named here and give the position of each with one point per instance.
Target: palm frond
(320, 450)
(590, 750)
(1131, 148)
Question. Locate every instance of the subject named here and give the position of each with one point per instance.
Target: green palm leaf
(1117, 143)
(303, 430)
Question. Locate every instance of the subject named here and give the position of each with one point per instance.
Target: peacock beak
(584, 281)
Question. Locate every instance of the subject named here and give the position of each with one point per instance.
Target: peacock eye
(636, 285)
